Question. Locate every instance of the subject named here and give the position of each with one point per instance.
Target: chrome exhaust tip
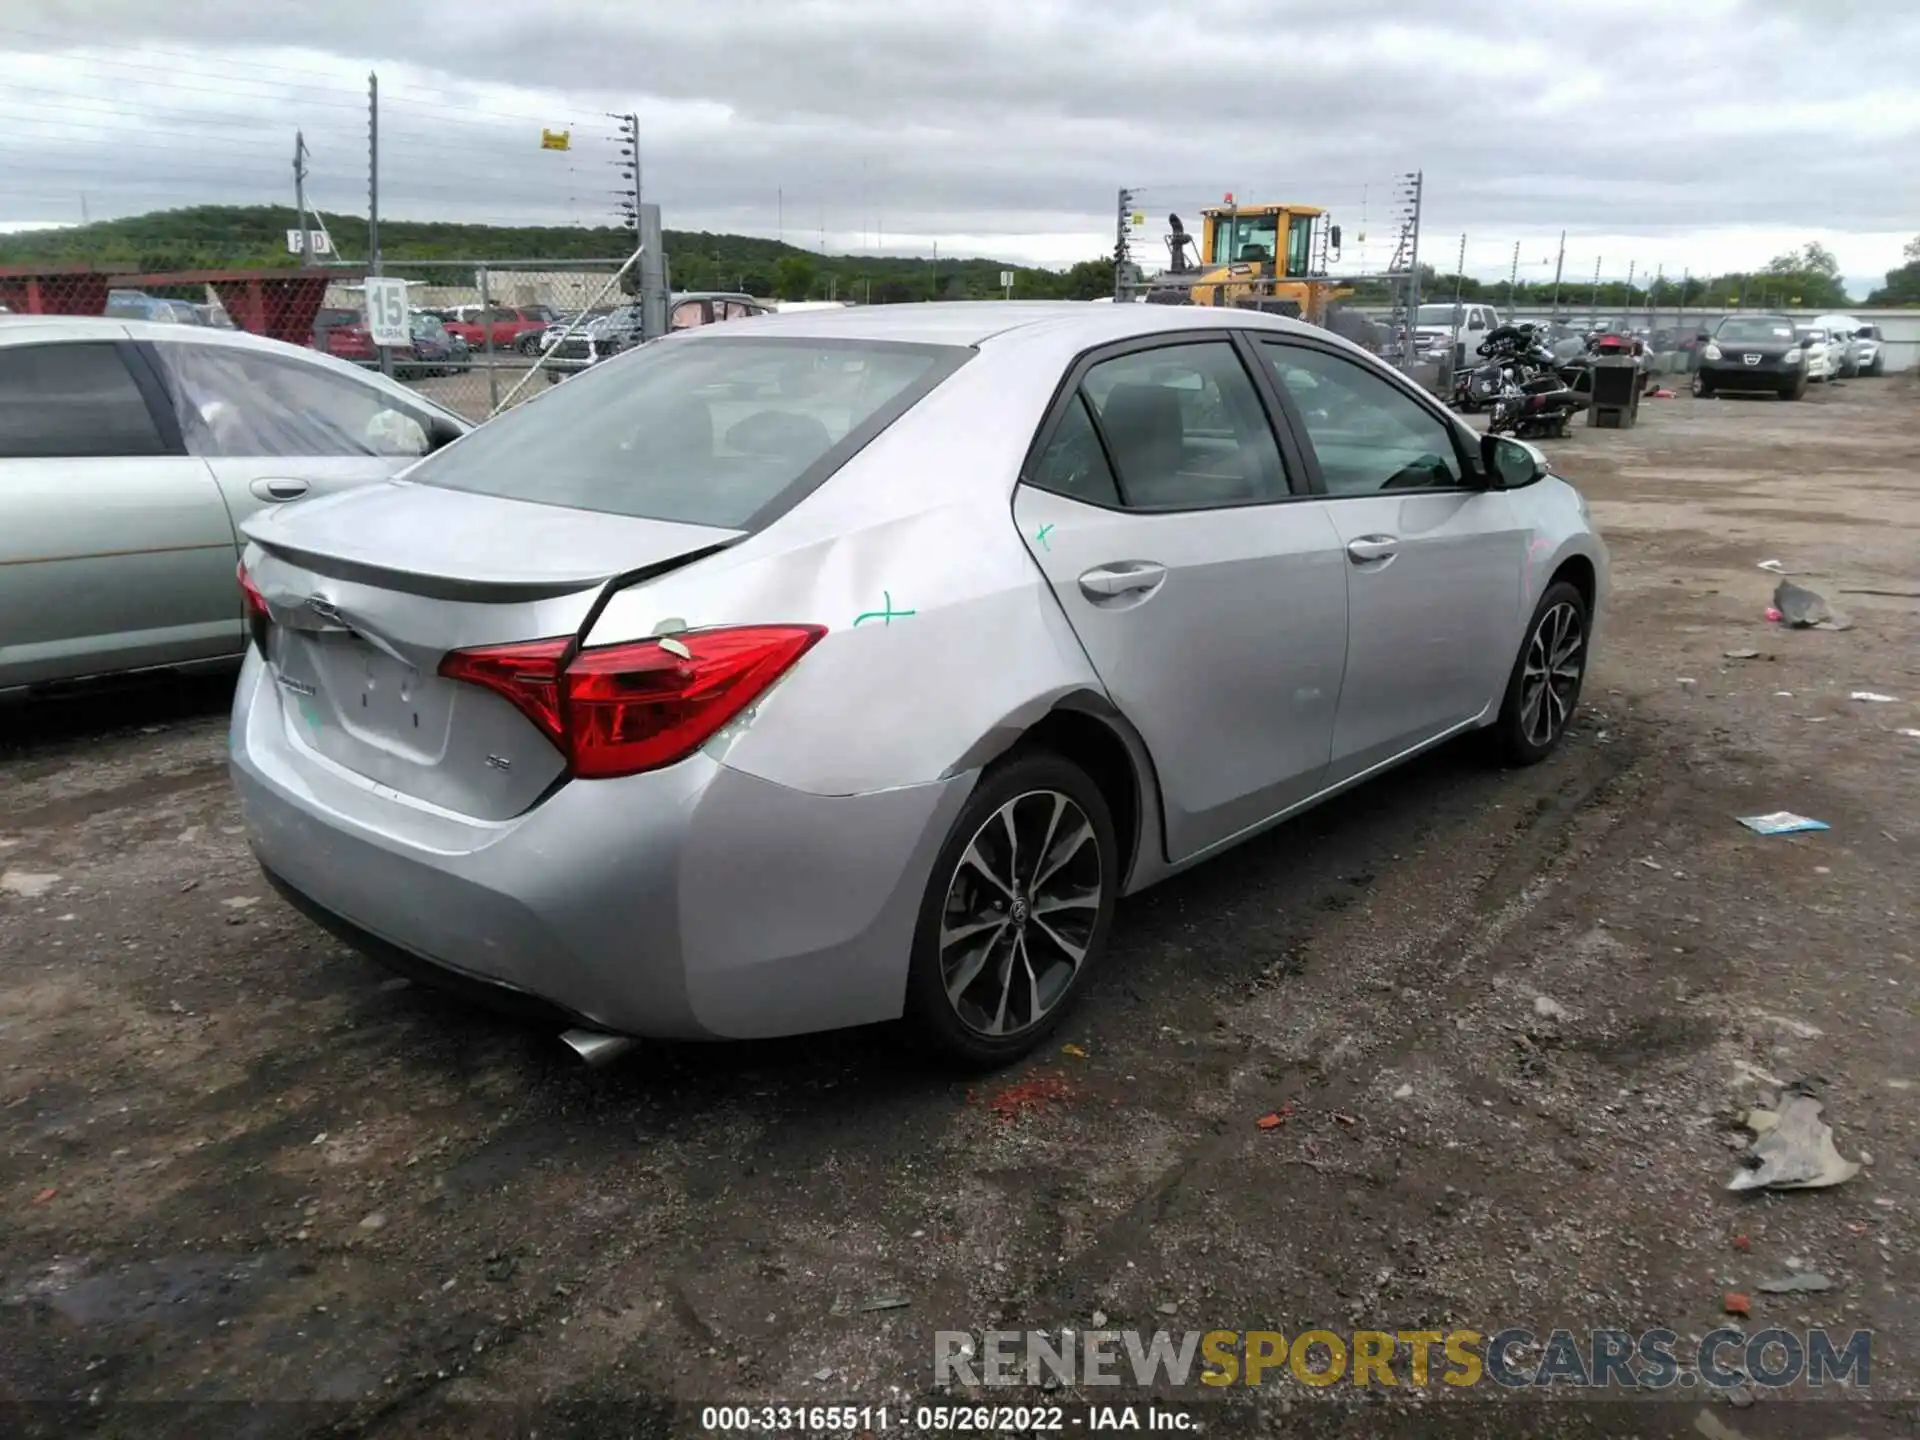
(596, 1047)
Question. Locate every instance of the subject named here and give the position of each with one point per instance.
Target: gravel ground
(1511, 1020)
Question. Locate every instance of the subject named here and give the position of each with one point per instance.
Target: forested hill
(222, 236)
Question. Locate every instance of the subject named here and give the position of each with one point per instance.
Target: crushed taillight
(258, 616)
(620, 709)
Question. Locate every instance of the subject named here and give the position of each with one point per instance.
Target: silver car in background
(131, 452)
(848, 666)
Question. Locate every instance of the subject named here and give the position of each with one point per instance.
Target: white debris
(27, 884)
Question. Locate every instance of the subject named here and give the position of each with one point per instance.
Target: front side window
(708, 431)
(235, 403)
(1185, 428)
(1368, 435)
(1299, 244)
(72, 401)
(1245, 237)
(689, 313)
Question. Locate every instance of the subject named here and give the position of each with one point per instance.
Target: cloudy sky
(1705, 136)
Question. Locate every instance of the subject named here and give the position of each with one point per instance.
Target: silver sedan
(847, 667)
(129, 454)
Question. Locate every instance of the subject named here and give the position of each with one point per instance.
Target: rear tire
(1031, 866)
(1543, 692)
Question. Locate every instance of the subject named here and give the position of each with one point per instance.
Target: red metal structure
(59, 289)
(281, 304)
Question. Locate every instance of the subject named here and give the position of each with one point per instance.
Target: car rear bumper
(692, 902)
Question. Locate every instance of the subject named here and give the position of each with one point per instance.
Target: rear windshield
(724, 432)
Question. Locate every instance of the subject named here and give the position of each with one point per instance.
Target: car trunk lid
(370, 590)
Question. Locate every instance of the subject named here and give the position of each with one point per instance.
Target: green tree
(793, 277)
(1089, 280)
(1903, 282)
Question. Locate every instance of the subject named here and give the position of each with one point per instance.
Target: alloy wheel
(1550, 679)
(1020, 913)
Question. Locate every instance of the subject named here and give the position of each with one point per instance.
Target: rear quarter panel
(943, 637)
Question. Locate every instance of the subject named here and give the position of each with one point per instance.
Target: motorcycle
(1520, 384)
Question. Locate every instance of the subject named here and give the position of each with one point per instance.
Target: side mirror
(1333, 237)
(1703, 337)
(1512, 463)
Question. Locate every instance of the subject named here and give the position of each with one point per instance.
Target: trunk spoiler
(615, 584)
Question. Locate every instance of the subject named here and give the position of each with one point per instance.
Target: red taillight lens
(527, 674)
(258, 616)
(622, 709)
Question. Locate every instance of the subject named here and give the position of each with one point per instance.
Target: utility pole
(1513, 284)
(1559, 264)
(1653, 291)
(780, 223)
(300, 153)
(1626, 305)
(1593, 305)
(373, 198)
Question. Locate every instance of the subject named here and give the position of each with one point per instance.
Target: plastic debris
(1909, 734)
(1742, 1243)
(1073, 1050)
(1781, 822)
(1773, 566)
(1794, 1149)
(1774, 615)
(1404, 1091)
(1736, 1304)
(1804, 609)
(45, 1195)
(884, 1302)
(1874, 697)
(1742, 654)
(1809, 1280)
(1272, 1120)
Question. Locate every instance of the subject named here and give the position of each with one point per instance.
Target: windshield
(1440, 314)
(1754, 329)
(1813, 333)
(1245, 237)
(704, 433)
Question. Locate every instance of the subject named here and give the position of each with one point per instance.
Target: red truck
(511, 329)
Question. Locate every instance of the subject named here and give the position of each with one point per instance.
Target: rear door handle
(279, 489)
(1371, 548)
(1105, 581)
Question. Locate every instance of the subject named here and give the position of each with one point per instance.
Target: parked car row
(608, 333)
(138, 305)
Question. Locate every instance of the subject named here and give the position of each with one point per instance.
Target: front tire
(1878, 366)
(1702, 385)
(1016, 912)
(1543, 691)
(1796, 389)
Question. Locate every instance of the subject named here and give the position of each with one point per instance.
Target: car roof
(977, 322)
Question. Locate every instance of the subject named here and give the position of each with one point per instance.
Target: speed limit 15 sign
(387, 310)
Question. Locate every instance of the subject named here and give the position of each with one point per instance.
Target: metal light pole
(1559, 265)
(373, 198)
(300, 153)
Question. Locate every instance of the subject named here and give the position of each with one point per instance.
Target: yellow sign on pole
(556, 139)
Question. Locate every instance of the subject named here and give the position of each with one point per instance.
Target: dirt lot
(1511, 1017)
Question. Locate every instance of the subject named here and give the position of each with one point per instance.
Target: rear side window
(72, 401)
(707, 432)
(234, 403)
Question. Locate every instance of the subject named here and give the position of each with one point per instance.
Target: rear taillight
(621, 709)
(258, 616)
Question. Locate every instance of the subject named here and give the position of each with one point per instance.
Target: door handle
(1103, 582)
(279, 489)
(1371, 548)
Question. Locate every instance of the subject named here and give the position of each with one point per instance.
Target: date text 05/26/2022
(944, 1418)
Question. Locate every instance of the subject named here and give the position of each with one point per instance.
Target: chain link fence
(480, 330)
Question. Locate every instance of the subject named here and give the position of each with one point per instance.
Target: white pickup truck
(1468, 323)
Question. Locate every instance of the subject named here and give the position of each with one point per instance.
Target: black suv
(1752, 352)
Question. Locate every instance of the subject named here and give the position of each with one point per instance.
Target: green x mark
(886, 614)
(1041, 536)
